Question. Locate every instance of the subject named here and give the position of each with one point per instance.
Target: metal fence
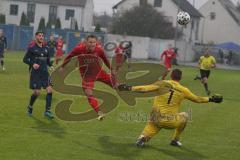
(18, 37)
(222, 56)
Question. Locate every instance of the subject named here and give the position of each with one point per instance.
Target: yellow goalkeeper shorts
(166, 122)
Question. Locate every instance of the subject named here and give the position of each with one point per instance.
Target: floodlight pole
(203, 28)
(176, 29)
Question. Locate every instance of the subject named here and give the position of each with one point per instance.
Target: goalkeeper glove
(216, 98)
(124, 87)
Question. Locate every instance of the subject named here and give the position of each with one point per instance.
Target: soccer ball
(183, 18)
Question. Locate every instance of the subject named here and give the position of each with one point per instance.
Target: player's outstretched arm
(76, 51)
(124, 87)
(146, 88)
(194, 98)
(198, 99)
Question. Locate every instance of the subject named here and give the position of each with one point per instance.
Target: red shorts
(119, 59)
(102, 77)
(168, 66)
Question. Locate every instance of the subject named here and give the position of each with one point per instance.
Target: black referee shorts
(205, 73)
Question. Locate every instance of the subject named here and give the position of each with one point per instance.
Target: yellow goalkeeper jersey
(206, 62)
(169, 102)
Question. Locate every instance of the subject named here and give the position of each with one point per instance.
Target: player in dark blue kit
(3, 48)
(38, 59)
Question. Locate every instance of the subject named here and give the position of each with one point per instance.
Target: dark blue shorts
(39, 80)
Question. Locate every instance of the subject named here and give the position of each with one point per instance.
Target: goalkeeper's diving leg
(183, 119)
(149, 131)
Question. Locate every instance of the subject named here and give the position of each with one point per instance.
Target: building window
(14, 9)
(31, 12)
(157, 3)
(142, 2)
(52, 13)
(69, 14)
(212, 15)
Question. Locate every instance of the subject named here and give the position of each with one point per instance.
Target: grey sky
(100, 6)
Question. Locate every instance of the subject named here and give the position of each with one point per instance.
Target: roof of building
(78, 3)
(116, 5)
(232, 9)
(183, 5)
(187, 7)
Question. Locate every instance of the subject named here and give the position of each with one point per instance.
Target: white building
(169, 8)
(221, 22)
(69, 11)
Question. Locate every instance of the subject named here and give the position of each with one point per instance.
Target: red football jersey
(169, 55)
(89, 62)
(60, 44)
(119, 55)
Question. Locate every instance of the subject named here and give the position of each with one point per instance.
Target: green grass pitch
(212, 134)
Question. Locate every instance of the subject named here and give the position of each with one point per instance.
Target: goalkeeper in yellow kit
(165, 112)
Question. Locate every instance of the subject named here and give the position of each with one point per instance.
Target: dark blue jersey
(52, 46)
(3, 43)
(38, 55)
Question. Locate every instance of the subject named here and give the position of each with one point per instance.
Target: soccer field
(212, 133)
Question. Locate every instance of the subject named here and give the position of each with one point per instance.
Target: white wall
(222, 29)
(157, 46)
(88, 15)
(146, 48)
(185, 52)
(140, 44)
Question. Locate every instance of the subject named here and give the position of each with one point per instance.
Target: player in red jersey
(168, 56)
(90, 55)
(123, 53)
(59, 52)
(120, 56)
